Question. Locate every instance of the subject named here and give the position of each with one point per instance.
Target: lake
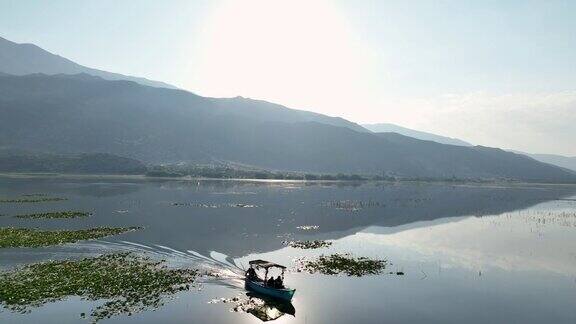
(469, 253)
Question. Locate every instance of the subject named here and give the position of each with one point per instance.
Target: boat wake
(216, 267)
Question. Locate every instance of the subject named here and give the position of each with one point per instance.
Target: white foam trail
(220, 257)
(195, 253)
(136, 244)
(180, 253)
(221, 269)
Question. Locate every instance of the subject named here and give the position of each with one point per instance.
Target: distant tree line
(88, 163)
(233, 172)
(228, 172)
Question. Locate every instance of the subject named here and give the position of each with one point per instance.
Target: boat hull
(258, 287)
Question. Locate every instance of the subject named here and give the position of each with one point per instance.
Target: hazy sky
(495, 73)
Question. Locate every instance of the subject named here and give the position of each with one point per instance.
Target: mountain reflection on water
(279, 208)
(470, 253)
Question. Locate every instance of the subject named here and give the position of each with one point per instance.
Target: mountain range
(567, 162)
(392, 128)
(22, 59)
(85, 113)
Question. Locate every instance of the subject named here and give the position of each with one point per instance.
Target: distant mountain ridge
(568, 162)
(82, 114)
(53, 105)
(558, 160)
(22, 59)
(392, 128)
(29, 59)
(267, 111)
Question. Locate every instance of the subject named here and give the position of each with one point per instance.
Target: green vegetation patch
(32, 199)
(315, 244)
(308, 227)
(343, 263)
(129, 282)
(60, 214)
(201, 205)
(24, 237)
(352, 205)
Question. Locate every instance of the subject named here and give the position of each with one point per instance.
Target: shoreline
(142, 177)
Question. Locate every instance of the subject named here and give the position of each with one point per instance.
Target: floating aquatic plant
(201, 205)
(129, 282)
(60, 214)
(352, 205)
(32, 199)
(308, 227)
(342, 263)
(315, 244)
(25, 237)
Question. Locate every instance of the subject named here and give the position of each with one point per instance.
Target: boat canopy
(265, 264)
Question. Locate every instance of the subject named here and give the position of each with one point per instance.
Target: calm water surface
(470, 253)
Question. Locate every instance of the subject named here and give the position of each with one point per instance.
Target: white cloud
(532, 122)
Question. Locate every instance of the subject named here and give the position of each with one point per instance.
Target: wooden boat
(256, 284)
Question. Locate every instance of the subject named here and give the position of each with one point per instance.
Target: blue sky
(494, 73)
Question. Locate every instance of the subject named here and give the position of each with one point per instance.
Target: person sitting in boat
(278, 283)
(270, 282)
(251, 274)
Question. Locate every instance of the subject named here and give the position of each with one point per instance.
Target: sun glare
(300, 53)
